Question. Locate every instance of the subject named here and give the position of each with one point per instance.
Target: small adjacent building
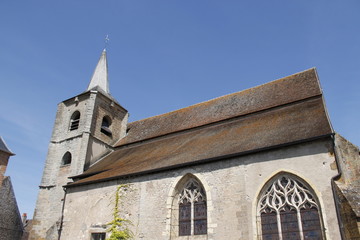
(11, 227)
(263, 163)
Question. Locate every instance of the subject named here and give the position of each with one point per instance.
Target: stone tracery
(192, 209)
(283, 209)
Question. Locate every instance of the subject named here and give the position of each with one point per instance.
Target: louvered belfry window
(288, 210)
(75, 121)
(192, 210)
(105, 126)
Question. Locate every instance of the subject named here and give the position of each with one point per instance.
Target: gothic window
(192, 209)
(74, 121)
(288, 210)
(98, 236)
(66, 158)
(105, 126)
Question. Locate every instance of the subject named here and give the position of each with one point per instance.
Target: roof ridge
(275, 93)
(217, 98)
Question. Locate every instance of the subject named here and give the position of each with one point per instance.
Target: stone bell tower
(86, 126)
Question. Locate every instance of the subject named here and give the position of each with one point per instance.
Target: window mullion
(286, 197)
(192, 215)
(278, 219)
(300, 224)
(193, 195)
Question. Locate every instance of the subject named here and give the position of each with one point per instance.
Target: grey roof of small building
(4, 147)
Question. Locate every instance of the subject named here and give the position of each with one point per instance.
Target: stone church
(263, 163)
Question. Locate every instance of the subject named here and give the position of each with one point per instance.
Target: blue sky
(164, 55)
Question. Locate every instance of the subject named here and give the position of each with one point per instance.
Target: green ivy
(119, 226)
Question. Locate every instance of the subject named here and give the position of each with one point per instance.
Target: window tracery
(192, 209)
(288, 210)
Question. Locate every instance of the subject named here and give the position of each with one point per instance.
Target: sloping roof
(279, 92)
(4, 147)
(284, 111)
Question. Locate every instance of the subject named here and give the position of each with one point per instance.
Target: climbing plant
(118, 228)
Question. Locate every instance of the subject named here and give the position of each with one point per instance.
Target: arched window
(74, 121)
(66, 158)
(105, 126)
(192, 209)
(288, 209)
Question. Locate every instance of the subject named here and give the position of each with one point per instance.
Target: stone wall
(4, 159)
(10, 220)
(232, 187)
(347, 187)
(86, 143)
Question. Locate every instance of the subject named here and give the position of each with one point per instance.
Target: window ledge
(192, 237)
(106, 131)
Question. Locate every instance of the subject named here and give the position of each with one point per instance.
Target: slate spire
(4, 147)
(100, 76)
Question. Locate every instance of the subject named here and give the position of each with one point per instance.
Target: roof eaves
(202, 161)
(323, 99)
(96, 90)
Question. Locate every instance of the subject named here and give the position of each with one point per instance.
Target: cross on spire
(106, 40)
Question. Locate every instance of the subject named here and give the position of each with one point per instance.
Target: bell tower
(86, 127)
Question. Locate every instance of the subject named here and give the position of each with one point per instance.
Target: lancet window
(192, 209)
(288, 210)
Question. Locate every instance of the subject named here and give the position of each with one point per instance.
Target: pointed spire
(100, 75)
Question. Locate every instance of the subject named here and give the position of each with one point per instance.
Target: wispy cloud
(24, 127)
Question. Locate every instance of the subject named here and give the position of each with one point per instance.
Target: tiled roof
(279, 92)
(284, 111)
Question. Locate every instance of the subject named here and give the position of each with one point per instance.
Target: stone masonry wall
(85, 144)
(232, 187)
(118, 115)
(4, 159)
(10, 220)
(348, 187)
